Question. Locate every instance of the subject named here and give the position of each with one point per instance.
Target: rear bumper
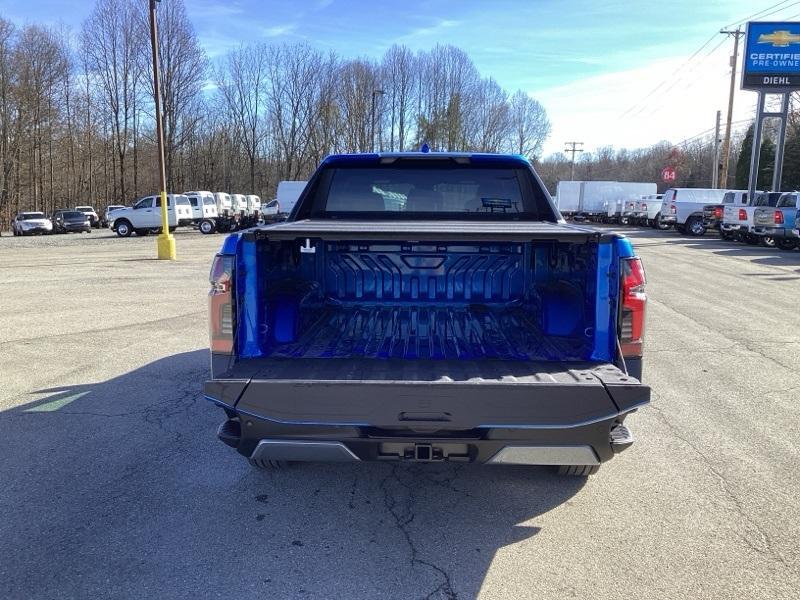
(70, 228)
(669, 219)
(732, 228)
(549, 422)
(776, 232)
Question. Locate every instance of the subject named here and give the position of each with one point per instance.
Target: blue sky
(554, 50)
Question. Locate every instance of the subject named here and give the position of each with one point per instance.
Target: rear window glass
(207, 200)
(429, 190)
(74, 215)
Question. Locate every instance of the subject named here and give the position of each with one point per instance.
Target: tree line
(77, 116)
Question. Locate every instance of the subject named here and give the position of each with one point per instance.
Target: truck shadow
(119, 488)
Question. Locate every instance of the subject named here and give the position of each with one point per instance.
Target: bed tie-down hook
(307, 248)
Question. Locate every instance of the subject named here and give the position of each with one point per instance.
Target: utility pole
(572, 149)
(372, 119)
(715, 169)
(726, 145)
(165, 243)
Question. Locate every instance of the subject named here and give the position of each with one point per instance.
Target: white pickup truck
(683, 208)
(647, 208)
(737, 217)
(144, 217)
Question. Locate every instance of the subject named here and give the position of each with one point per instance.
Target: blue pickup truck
(777, 224)
(427, 307)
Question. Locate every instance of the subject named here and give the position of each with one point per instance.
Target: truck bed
(383, 331)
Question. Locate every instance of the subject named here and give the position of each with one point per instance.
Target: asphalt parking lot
(113, 485)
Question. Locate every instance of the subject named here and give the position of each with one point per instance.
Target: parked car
(92, 214)
(370, 329)
(683, 208)
(778, 223)
(106, 220)
(204, 206)
(737, 220)
(144, 217)
(31, 223)
(71, 221)
(271, 210)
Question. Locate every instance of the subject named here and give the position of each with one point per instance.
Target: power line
(757, 14)
(669, 79)
(688, 84)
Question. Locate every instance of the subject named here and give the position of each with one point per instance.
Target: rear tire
(207, 226)
(751, 239)
(680, 228)
(695, 227)
(726, 235)
(268, 465)
(659, 224)
(768, 241)
(785, 244)
(124, 228)
(578, 470)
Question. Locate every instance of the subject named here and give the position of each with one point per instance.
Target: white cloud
(437, 27)
(279, 30)
(591, 109)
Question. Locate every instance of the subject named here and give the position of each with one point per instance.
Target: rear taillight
(634, 302)
(742, 214)
(672, 209)
(220, 304)
(778, 217)
(718, 212)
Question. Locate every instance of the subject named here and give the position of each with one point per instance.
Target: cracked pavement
(112, 484)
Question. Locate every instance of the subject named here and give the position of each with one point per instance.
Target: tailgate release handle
(424, 416)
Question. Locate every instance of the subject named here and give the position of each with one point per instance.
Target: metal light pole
(372, 118)
(165, 243)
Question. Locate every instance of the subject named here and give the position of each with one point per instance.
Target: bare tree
(529, 124)
(242, 80)
(112, 46)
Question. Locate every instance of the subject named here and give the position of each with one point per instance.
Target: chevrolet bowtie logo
(779, 39)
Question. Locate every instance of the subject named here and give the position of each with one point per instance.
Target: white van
(239, 202)
(204, 206)
(288, 194)
(224, 203)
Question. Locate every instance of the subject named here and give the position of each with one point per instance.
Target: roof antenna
(425, 148)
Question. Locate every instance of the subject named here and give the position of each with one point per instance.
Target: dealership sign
(772, 57)
(668, 174)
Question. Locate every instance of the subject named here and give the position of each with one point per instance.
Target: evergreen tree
(791, 161)
(766, 165)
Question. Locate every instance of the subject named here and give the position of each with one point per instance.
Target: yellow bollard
(165, 242)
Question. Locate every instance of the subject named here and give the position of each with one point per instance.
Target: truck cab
(424, 307)
(203, 204)
(239, 203)
(224, 203)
